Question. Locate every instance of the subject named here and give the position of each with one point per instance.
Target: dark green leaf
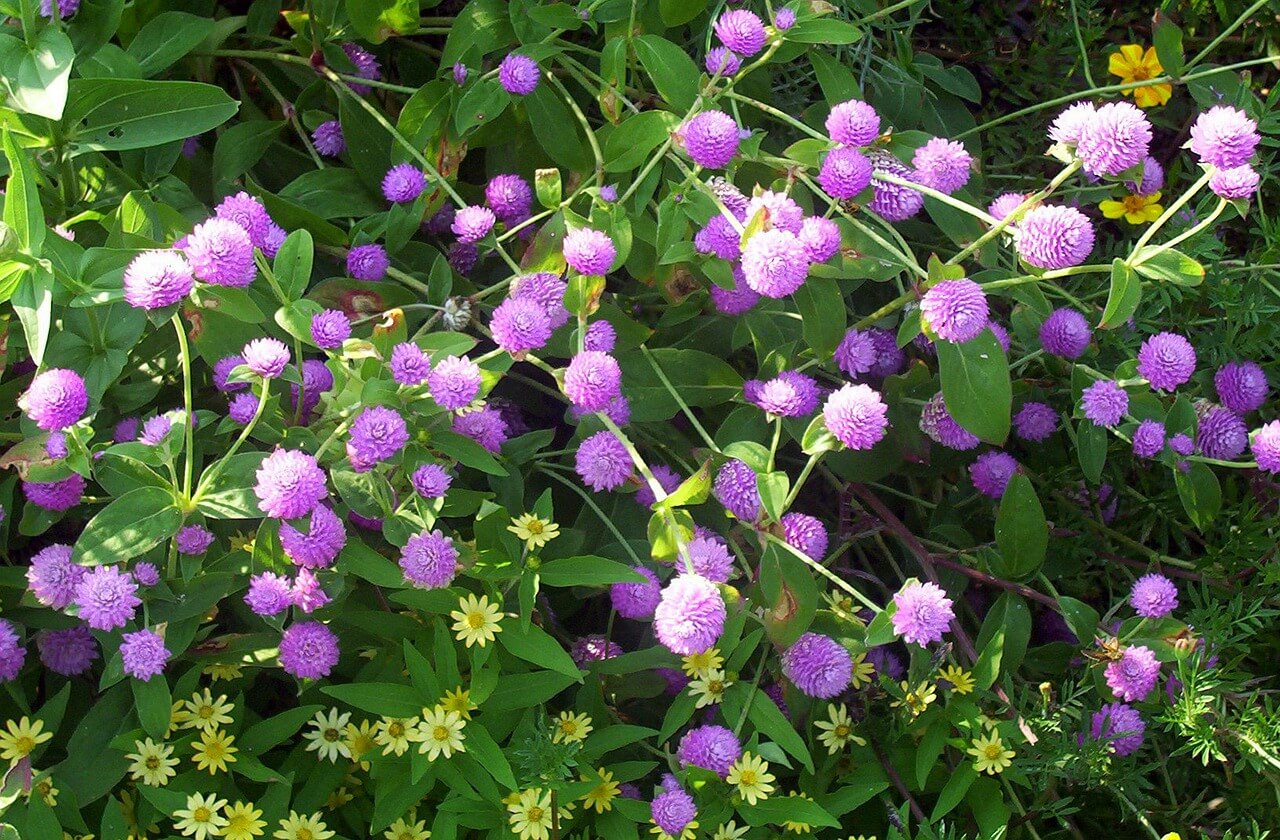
(533, 644)
(378, 20)
(1123, 298)
(131, 525)
(961, 779)
(1167, 38)
(118, 114)
(587, 570)
(673, 72)
(480, 105)
(975, 385)
(154, 705)
(555, 128)
(1091, 448)
(230, 496)
(166, 38)
(22, 211)
(631, 142)
(1200, 493)
(1169, 265)
(824, 31)
(1002, 642)
(822, 310)
(292, 265)
(390, 699)
(242, 146)
(1021, 531)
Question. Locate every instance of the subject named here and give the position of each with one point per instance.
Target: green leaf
(484, 749)
(822, 313)
(1200, 493)
(378, 698)
(1002, 642)
(548, 187)
(22, 211)
(533, 644)
(1021, 530)
(230, 495)
(521, 691)
(679, 12)
(587, 570)
(694, 490)
(673, 72)
(166, 38)
(1167, 39)
(1080, 617)
(777, 810)
(154, 704)
(630, 143)
(265, 734)
(773, 488)
(1123, 298)
(467, 452)
(836, 80)
(378, 20)
(118, 114)
(975, 385)
(242, 146)
(480, 105)
(767, 718)
(1169, 265)
(131, 525)
(335, 192)
(824, 31)
(292, 265)
(961, 779)
(790, 595)
(1091, 449)
(480, 28)
(33, 302)
(555, 128)
(360, 560)
(701, 380)
(39, 85)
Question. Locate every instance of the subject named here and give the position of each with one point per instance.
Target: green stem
(908, 260)
(1016, 214)
(1186, 234)
(684, 407)
(824, 571)
(1226, 33)
(189, 423)
(804, 476)
(600, 514)
(962, 206)
(582, 121)
(885, 12)
(1084, 53)
(781, 115)
(1168, 214)
(210, 475)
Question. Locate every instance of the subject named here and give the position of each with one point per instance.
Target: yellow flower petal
(1112, 209)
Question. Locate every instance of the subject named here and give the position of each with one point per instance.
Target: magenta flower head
(893, 202)
(736, 489)
(722, 60)
(429, 560)
(637, 600)
(222, 374)
(308, 650)
(471, 224)
(144, 654)
(690, 617)
(1035, 422)
(1005, 204)
(1265, 444)
(1120, 726)
(820, 238)
(592, 379)
(741, 31)
(12, 652)
(1068, 126)
(220, 252)
(845, 172)
(1148, 439)
(155, 429)
(55, 495)
(268, 594)
(1153, 596)
(589, 251)
(942, 164)
(1241, 386)
(328, 138)
(1065, 333)
(377, 434)
(318, 546)
(734, 301)
(673, 810)
(818, 666)
(668, 478)
(66, 8)
(713, 748)
(55, 447)
(368, 262)
(431, 481)
(242, 408)
(403, 183)
(857, 416)
(510, 198)
(853, 123)
(275, 238)
(146, 574)
(68, 652)
(789, 394)
(774, 263)
(266, 357)
(519, 325)
(193, 540)
(1104, 403)
(248, 212)
(1222, 434)
(366, 65)
(593, 648)
(409, 364)
(922, 613)
(156, 279)
(710, 139)
(454, 383)
(1236, 183)
(460, 73)
(1152, 180)
(1115, 138)
(1224, 137)
(1052, 236)
(547, 290)
(52, 577)
(1166, 360)
(289, 484)
(55, 399)
(781, 211)
(1133, 676)
(708, 557)
(805, 533)
(991, 472)
(486, 427)
(519, 74)
(603, 462)
(106, 598)
(955, 310)
(600, 336)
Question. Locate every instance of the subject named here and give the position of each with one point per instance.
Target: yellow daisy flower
(243, 822)
(45, 789)
(476, 620)
(730, 831)
(750, 775)
(960, 679)
(440, 733)
(200, 819)
(359, 740)
(530, 817)
(150, 763)
(177, 717)
(917, 699)
(338, 797)
(838, 731)
(326, 737)
(864, 672)
(21, 738)
(698, 664)
(394, 734)
(459, 700)
(990, 755)
(220, 671)
(709, 688)
(401, 830)
(534, 530)
(1132, 64)
(298, 827)
(570, 728)
(203, 712)
(213, 752)
(602, 795)
(1135, 209)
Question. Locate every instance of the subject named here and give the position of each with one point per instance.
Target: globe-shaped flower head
(673, 811)
(12, 652)
(735, 488)
(431, 481)
(156, 279)
(818, 666)
(55, 399)
(592, 380)
(519, 74)
(601, 336)
(820, 237)
(220, 252)
(1068, 126)
(1265, 444)
(1166, 360)
(377, 434)
(690, 617)
(289, 484)
(1221, 434)
(955, 310)
(1133, 676)
(845, 172)
(471, 224)
(991, 472)
(510, 198)
(403, 183)
(713, 748)
(711, 139)
(741, 31)
(454, 382)
(368, 262)
(366, 66)
(709, 557)
(266, 357)
(805, 533)
(774, 263)
(857, 416)
(520, 325)
(547, 290)
(722, 60)
(942, 164)
(603, 462)
(143, 654)
(249, 213)
(106, 598)
(1224, 136)
(1148, 439)
(52, 577)
(1153, 596)
(1115, 138)
(1035, 422)
(429, 560)
(1236, 183)
(1241, 386)
(68, 652)
(1104, 403)
(637, 600)
(55, 495)
(589, 251)
(328, 138)
(317, 547)
(853, 123)
(893, 202)
(1004, 204)
(923, 613)
(1120, 725)
(734, 301)
(308, 650)
(409, 364)
(1065, 333)
(1052, 236)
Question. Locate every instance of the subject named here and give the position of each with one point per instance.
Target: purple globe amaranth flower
(1166, 360)
(818, 666)
(328, 138)
(320, 545)
(1119, 725)
(1052, 236)
(589, 251)
(306, 594)
(1148, 439)
(941, 427)
(1065, 333)
(463, 256)
(820, 237)
(1222, 434)
(734, 301)
(486, 427)
(266, 357)
(55, 399)
(156, 279)
(857, 353)
(403, 183)
(781, 212)
(774, 263)
(275, 238)
(268, 594)
(637, 600)
(193, 540)
(845, 172)
(249, 213)
(713, 748)
(1224, 137)
(853, 123)
(601, 337)
(65, 8)
(146, 574)
(790, 394)
(741, 31)
(1181, 444)
(1068, 126)
(68, 652)
(431, 481)
(672, 811)
(510, 198)
(722, 60)
(429, 560)
(893, 202)
(1104, 403)
(242, 408)
(519, 74)
(1153, 596)
(143, 654)
(942, 164)
(1152, 180)
(519, 325)
(1035, 422)
(1004, 204)
(955, 310)
(1116, 137)
(454, 383)
(366, 65)
(289, 484)
(308, 650)
(1133, 675)
(377, 434)
(593, 648)
(602, 462)
(155, 429)
(127, 429)
(690, 616)
(889, 356)
(1265, 444)
(106, 598)
(52, 577)
(13, 654)
(708, 557)
(547, 290)
(55, 447)
(440, 221)
(805, 533)
(473, 223)
(1241, 386)
(460, 73)
(221, 252)
(710, 139)
(1236, 183)
(368, 262)
(719, 237)
(923, 613)
(784, 19)
(857, 416)
(991, 472)
(55, 495)
(667, 478)
(409, 364)
(592, 379)
(222, 374)
(735, 488)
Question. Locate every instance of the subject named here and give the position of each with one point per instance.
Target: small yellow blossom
(960, 679)
(21, 738)
(151, 763)
(298, 827)
(570, 728)
(750, 775)
(917, 699)
(1136, 209)
(990, 755)
(602, 795)
(440, 733)
(221, 671)
(44, 788)
(326, 736)
(200, 819)
(534, 530)
(864, 672)
(1132, 64)
(730, 831)
(531, 814)
(359, 740)
(698, 664)
(338, 797)
(476, 620)
(177, 717)
(459, 700)
(794, 825)
(213, 752)
(394, 734)
(403, 830)
(710, 688)
(203, 712)
(838, 730)
(243, 822)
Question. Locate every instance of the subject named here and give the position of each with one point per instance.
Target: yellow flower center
(747, 777)
(715, 687)
(153, 762)
(475, 620)
(214, 751)
(842, 731)
(568, 727)
(24, 745)
(201, 814)
(440, 733)
(332, 735)
(1134, 203)
(204, 712)
(534, 527)
(1140, 72)
(993, 751)
(395, 730)
(305, 834)
(535, 814)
